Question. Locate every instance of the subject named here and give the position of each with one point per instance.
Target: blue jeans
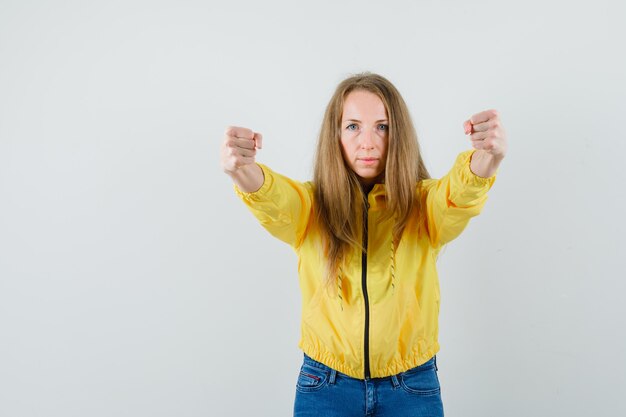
(324, 392)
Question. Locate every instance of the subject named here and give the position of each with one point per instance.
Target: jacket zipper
(364, 284)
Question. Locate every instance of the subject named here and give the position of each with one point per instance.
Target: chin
(369, 177)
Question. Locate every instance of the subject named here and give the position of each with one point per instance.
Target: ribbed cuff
(467, 175)
(261, 193)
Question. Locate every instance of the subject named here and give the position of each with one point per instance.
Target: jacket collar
(377, 197)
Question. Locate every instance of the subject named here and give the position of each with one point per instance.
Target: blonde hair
(338, 194)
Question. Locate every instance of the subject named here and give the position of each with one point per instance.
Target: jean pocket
(311, 378)
(421, 381)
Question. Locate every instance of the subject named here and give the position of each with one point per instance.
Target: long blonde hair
(338, 194)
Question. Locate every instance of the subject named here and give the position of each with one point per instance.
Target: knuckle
(229, 130)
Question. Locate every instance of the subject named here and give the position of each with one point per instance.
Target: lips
(367, 162)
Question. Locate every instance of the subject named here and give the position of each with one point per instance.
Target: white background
(133, 282)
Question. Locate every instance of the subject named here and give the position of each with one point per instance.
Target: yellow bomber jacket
(383, 318)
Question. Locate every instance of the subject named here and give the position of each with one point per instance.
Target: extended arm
(280, 204)
(462, 193)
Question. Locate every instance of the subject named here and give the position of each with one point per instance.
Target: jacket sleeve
(454, 199)
(281, 205)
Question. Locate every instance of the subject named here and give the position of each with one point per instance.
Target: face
(364, 135)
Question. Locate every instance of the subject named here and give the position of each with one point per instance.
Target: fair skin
(238, 158)
(364, 135)
(364, 143)
(489, 138)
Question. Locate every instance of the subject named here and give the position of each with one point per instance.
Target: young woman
(367, 231)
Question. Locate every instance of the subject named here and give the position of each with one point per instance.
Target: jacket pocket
(421, 380)
(311, 378)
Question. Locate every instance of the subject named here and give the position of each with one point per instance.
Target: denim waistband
(432, 362)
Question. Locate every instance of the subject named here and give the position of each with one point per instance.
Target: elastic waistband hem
(431, 363)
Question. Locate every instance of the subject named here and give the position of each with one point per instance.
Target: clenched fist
(489, 139)
(239, 148)
(487, 133)
(238, 157)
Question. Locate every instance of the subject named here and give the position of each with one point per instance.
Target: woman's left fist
(486, 132)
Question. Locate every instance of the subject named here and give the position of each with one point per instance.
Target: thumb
(467, 126)
(258, 140)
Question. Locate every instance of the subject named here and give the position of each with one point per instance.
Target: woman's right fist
(239, 148)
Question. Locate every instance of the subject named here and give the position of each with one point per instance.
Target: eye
(383, 127)
(351, 124)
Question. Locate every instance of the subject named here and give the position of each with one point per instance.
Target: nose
(367, 139)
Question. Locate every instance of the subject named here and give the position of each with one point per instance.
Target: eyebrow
(355, 120)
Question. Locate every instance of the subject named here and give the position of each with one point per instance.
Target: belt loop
(436, 369)
(333, 374)
(394, 381)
